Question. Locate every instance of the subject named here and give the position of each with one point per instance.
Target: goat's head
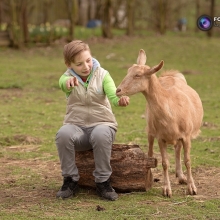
(137, 76)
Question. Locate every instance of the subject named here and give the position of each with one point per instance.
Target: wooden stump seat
(130, 166)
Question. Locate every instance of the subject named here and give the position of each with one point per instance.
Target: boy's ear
(67, 64)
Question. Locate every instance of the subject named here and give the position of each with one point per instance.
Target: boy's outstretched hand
(71, 82)
(123, 101)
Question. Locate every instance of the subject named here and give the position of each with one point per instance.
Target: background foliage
(24, 22)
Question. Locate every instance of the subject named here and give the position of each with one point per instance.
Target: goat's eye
(137, 76)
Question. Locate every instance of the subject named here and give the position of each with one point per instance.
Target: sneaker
(106, 191)
(68, 189)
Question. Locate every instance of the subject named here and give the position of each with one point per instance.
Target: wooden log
(130, 166)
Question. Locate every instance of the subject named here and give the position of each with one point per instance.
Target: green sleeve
(110, 89)
(62, 84)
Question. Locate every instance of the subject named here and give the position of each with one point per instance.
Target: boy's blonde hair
(72, 49)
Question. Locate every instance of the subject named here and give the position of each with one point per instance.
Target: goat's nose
(118, 90)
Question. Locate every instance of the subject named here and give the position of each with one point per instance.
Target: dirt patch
(19, 139)
(209, 125)
(207, 180)
(11, 93)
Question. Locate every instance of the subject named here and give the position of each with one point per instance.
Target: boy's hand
(124, 101)
(71, 82)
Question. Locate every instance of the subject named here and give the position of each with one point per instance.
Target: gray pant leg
(68, 139)
(101, 139)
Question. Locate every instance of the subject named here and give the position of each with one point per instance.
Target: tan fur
(174, 114)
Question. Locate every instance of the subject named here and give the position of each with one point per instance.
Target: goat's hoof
(167, 192)
(181, 178)
(193, 193)
(192, 190)
(182, 181)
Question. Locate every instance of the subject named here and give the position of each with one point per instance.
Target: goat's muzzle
(118, 92)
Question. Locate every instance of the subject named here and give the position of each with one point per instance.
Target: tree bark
(14, 26)
(1, 9)
(72, 8)
(106, 18)
(130, 17)
(197, 13)
(130, 166)
(83, 12)
(24, 5)
(162, 16)
(212, 14)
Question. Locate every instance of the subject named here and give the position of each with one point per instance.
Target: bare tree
(72, 8)
(159, 14)
(212, 14)
(197, 12)
(106, 15)
(92, 9)
(14, 25)
(24, 20)
(162, 15)
(83, 12)
(130, 17)
(1, 9)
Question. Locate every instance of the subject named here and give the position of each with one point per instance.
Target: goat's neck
(155, 94)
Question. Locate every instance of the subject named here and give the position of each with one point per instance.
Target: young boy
(89, 122)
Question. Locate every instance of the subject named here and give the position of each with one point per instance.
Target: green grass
(33, 106)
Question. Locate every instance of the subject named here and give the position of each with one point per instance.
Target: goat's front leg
(190, 182)
(179, 170)
(165, 163)
(150, 145)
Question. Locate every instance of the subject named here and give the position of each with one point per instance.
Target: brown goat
(174, 114)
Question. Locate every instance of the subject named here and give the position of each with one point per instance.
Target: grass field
(32, 108)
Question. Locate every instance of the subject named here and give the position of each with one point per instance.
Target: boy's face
(82, 64)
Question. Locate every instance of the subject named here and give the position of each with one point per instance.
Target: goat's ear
(157, 67)
(141, 60)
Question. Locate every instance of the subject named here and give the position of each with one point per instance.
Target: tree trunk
(14, 26)
(130, 166)
(72, 8)
(1, 6)
(130, 17)
(92, 9)
(212, 14)
(24, 21)
(83, 12)
(162, 16)
(197, 13)
(106, 18)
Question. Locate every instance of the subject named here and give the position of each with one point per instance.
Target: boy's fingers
(75, 80)
(124, 101)
(68, 84)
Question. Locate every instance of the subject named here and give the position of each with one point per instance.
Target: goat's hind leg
(165, 163)
(190, 181)
(179, 171)
(150, 145)
(149, 176)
